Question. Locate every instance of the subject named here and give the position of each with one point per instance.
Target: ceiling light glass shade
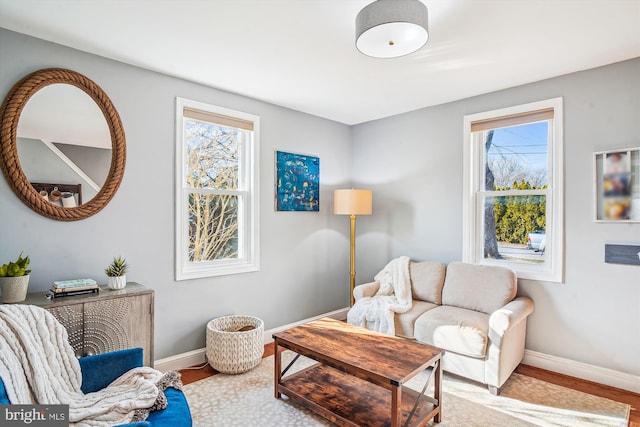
(392, 28)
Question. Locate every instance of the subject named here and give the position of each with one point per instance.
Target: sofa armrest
(100, 370)
(4, 399)
(365, 290)
(508, 316)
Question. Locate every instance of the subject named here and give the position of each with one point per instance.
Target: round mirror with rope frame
(10, 112)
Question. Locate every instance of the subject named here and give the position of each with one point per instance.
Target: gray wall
(413, 164)
(304, 256)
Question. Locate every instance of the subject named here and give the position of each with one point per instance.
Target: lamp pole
(352, 273)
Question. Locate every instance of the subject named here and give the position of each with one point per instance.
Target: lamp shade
(392, 28)
(352, 202)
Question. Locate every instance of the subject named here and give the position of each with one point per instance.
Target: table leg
(437, 390)
(277, 369)
(396, 407)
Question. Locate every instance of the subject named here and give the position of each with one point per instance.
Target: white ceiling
(301, 53)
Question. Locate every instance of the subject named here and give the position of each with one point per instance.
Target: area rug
(248, 400)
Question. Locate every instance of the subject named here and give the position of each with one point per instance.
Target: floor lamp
(352, 202)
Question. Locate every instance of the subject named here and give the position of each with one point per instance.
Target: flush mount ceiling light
(392, 28)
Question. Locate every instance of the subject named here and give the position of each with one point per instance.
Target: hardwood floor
(190, 375)
(619, 395)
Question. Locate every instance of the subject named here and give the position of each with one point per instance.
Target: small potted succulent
(117, 273)
(14, 279)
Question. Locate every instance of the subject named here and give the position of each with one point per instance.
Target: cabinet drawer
(118, 323)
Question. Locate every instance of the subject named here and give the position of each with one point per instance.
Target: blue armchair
(100, 370)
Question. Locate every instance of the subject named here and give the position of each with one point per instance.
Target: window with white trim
(513, 203)
(216, 190)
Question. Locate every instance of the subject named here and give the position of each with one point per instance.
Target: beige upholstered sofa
(470, 311)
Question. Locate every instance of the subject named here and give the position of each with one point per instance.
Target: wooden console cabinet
(105, 321)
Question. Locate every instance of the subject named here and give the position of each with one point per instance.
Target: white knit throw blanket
(393, 296)
(38, 366)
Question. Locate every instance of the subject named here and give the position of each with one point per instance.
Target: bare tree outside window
(490, 240)
(212, 165)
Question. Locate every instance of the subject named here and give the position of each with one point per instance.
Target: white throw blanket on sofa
(38, 366)
(393, 296)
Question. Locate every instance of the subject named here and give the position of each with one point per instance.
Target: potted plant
(117, 273)
(14, 280)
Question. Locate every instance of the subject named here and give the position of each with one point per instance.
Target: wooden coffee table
(359, 380)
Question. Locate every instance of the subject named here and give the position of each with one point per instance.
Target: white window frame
(248, 191)
(472, 250)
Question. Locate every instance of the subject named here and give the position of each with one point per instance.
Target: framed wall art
(617, 185)
(297, 182)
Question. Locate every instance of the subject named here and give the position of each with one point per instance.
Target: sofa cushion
(177, 412)
(454, 329)
(427, 278)
(4, 399)
(404, 322)
(478, 287)
(100, 370)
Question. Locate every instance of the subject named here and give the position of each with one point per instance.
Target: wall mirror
(62, 144)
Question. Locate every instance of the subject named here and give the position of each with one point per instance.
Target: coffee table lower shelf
(350, 401)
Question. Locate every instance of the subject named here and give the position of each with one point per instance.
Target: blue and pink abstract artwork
(297, 182)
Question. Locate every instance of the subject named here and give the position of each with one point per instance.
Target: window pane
(516, 156)
(211, 155)
(213, 227)
(513, 193)
(514, 228)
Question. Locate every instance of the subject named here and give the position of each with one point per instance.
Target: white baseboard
(181, 361)
(198, 357)
(581, 370)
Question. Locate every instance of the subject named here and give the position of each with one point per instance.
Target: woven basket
(232, 351)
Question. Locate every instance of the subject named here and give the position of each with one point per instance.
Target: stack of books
(62, 288)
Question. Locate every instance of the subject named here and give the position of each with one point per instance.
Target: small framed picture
(617, 162)
(297, 182)
(617, 185)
